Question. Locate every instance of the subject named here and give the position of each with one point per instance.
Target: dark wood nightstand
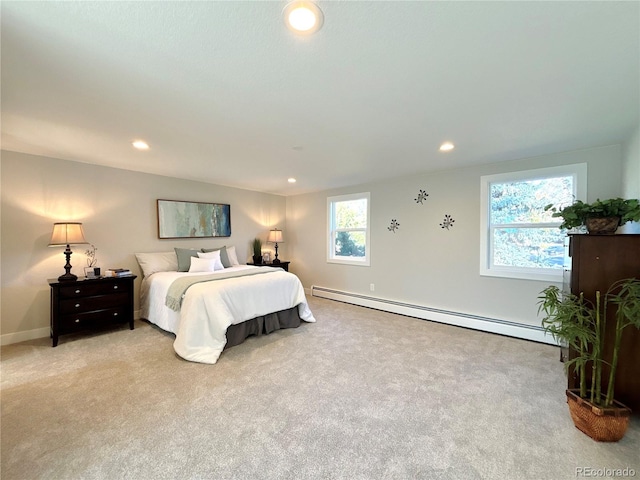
(89, 303)
(282, 265)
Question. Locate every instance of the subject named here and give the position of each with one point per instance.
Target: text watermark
(592, 472)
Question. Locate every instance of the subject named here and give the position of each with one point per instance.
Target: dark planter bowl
(257, 259)
(602, 226)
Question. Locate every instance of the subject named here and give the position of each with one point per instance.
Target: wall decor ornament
(92, 258)
(178, 219)
(447, 222)
(394, 225)
(422, 195)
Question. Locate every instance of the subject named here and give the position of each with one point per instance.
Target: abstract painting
(178, 219)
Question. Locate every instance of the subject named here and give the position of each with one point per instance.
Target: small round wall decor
(394, 225)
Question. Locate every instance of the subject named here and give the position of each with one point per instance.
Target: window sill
(553, 277)
(357, 263)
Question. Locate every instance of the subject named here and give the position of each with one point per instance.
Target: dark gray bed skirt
(236, 334)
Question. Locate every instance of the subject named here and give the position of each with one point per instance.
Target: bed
(218, 309)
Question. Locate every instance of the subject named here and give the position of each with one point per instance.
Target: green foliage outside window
(350, 244)
(350, 215)
(524, 234)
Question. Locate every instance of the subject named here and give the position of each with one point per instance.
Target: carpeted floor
(361, 394)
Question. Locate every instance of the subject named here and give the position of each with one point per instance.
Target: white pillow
(157, 262)
(233, 258)
(215, 256)
(202, 265)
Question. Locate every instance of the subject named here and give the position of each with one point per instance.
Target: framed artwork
(266, 257)
(178, 219)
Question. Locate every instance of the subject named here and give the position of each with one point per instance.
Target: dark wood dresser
(90, 303)
(596, 262)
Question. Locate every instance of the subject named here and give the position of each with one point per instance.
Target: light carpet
(361, 394)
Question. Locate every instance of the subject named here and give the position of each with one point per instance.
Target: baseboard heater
(476, 322)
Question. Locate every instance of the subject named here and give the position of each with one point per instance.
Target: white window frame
(332, 231)
(579, 173)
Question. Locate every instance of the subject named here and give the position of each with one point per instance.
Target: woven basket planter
(602, 424)
(602, 226)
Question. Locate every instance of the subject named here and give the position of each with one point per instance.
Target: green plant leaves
(575, 214)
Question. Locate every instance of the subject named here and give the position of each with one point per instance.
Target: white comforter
(208, 308)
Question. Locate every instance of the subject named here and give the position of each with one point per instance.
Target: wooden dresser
(90, 303)
(596, 262)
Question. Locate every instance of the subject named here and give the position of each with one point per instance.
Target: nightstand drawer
(87, 304)
(81, 321)
(78, 289)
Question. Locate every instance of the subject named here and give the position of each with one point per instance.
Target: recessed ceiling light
(140, 145)
(447, 146)
(303, 17)
(291, 180)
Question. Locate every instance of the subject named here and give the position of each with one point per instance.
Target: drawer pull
(77, 305)
(115, 287)
(77, 291)
(77, 320)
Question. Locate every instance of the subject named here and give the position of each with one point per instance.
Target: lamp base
(68, 277)
(276, 260)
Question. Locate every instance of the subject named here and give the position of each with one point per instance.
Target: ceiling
(225, 94)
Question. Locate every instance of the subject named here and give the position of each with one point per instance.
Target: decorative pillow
(233, 258)
(157, 262)
(184, 258)
(224, 258)
(202, 264)
(215, 256)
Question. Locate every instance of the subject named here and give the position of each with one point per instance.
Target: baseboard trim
(476, 322)
(17, 337)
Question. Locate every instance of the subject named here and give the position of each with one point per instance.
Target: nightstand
(90, 303)
(282, 265)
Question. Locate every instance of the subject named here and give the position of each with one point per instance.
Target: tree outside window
(520, 239)
(348, 229)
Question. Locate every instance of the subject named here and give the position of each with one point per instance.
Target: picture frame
(183, 219)
(266, 257)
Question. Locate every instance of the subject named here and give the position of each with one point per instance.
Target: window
(348, 225)
(518, 239)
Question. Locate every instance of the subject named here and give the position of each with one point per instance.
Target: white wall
(118, 212)
(422, 263)
(631, 174)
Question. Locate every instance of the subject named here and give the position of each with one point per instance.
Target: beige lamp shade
(69, 233)
(275, 236)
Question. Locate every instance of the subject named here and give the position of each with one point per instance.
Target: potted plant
(600, 217)
(580, 324)
(257, 251)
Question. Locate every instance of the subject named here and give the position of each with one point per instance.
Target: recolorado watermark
(592, 472)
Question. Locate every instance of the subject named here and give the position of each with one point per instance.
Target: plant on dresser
(600, 217)
(90, 303)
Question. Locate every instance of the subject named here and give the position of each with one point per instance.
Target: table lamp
(67, 233)
(275, 236)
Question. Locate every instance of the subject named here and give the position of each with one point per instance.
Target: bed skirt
(236, 334)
